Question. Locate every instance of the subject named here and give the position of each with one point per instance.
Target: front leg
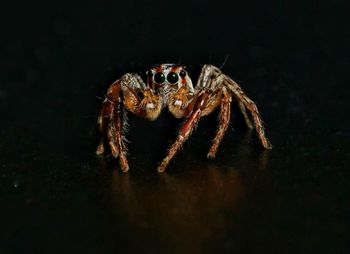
(116, 123)
(102, 122)
(111, 122)
(186, 128)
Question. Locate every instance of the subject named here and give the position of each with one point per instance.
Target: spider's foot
(125, 169)
(212, 151)
(267, 145)
(124, 165)
(114, 150)
(100, 149)
(211, 155)
(161, 168)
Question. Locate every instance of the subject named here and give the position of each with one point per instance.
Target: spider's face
(165, 78)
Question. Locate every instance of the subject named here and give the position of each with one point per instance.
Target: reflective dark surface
(58, 197)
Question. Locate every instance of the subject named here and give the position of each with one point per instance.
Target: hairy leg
(224, 119)
(186, 128)
(250, 105)
(119, 135)
(105, 117)
(111, 135)
(110, 123)
(102, 122)
(128, 92)
(212, 77)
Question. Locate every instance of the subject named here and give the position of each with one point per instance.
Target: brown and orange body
(169, 86)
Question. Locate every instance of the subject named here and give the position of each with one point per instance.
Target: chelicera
(169, 86)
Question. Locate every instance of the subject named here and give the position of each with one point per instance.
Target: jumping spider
(169, 85)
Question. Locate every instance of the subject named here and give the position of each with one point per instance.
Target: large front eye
(172, 77)
(159, 78)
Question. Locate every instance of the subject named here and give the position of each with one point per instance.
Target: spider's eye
(159, 78)
(172, 77)
(182, 74)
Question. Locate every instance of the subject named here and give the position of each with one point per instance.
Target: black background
(291, 58)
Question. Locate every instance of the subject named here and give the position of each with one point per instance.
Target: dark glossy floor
(57, 197)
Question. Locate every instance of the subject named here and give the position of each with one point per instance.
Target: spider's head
(165, 78)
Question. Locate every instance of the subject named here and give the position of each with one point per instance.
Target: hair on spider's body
(169, 86)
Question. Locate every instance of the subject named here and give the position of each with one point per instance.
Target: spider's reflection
(183, 210)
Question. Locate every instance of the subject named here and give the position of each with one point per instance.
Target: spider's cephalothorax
(169, 85)
(173, 86)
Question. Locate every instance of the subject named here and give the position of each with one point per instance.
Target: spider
(169, 85)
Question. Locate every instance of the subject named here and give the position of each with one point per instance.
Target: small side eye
(159, 78)
(182, 74)
(172, 77)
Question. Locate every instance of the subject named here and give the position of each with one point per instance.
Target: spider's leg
(211, 76)
(111, 134)
(127, 93)
(224, 119)
(119, 135)
(245, 115)
(110, 121)
(186, 128)
(105, 119)
(102, 122)
(250, 105)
